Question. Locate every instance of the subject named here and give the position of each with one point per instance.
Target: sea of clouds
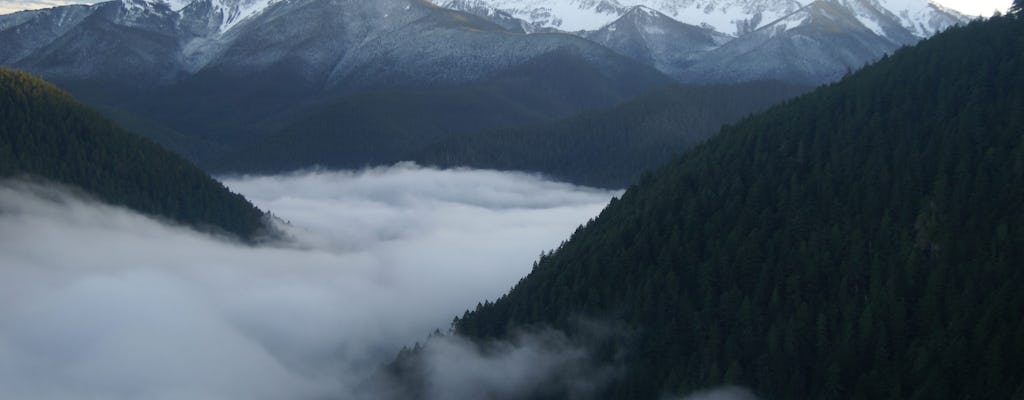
(99, 302)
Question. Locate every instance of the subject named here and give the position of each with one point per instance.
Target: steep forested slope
(613, 147)
(46, 133)
(864, 241)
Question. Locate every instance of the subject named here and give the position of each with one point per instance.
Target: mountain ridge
(861, 241)
(46, 134)
(667, 34)
(233, 89)
(735, 18)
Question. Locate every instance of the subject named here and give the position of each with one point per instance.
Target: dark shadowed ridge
(862, 241)
(45, 133)
(335, 83)
(613, 147)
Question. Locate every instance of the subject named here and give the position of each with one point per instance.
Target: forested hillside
(865, 241)
(45, 133)
(388, 126)
(612, 148)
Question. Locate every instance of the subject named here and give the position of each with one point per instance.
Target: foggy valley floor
(101, 302)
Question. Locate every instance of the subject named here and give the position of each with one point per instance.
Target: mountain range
(921, 18)
(214, 85)
(267, 85)
(863, 241)
(612, 148)
(700, 41)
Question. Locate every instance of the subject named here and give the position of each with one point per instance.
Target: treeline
(45, 133)
(865, 241)
(611, 148)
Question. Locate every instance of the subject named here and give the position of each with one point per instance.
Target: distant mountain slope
(819, 43)
(732, 17)
(698, 41)
(922, 18)
(45, 133)
(612, 147)
(656, 39)
(864, 241)
(395, 125)
(238, 75)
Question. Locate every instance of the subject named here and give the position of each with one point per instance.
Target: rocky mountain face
(234, 83)
(326, 43)
(227, 72)
(413, 42)
(699, 41)
(733, 17)
(656, 39)
(819, 43)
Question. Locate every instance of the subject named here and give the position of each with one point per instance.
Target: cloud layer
(100, 302)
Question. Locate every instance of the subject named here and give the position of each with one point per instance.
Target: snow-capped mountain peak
(235, 11)
(733, 17)
(229, 12)
(922, 18)
(175, 5)
(564, 15)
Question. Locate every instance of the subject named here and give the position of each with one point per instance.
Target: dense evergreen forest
(387, 124)
(45, 133)
(864, 241)
(612, 148)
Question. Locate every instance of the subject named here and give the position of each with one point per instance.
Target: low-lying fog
(98, 302)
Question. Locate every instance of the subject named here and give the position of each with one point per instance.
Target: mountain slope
(799, 42)
(237, 83)
(726, 17)
(394, 125)
(612, 147)
(131, 42)
(819, 43)
(45, 133)
(862, 241)
(735, 17)
(648, 36)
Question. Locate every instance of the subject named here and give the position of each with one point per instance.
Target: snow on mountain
(732, 17)
(229, 12)
(325, 38)
(817, 44)
(235, 11)
(653, 38)
(735, 17)
(922, 18)
(729, 17)
(564, 15)
(225, 13)
(176, 5)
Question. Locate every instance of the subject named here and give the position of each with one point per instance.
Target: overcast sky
(970, 7)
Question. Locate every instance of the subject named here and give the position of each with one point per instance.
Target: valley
(511, 199)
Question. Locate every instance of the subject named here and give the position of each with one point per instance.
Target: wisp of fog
(98, 302)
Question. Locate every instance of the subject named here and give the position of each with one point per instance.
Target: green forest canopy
(45, 133)
(865, 241)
